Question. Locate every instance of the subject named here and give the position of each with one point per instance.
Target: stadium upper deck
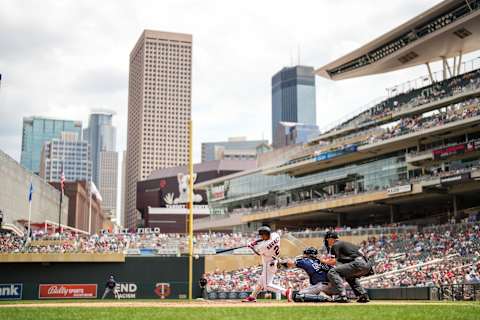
(447, 29)
(408, 158)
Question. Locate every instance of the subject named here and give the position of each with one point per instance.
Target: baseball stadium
(377, 217)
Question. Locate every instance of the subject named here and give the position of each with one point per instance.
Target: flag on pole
(94, 190)
(30, 192)
(62, 181)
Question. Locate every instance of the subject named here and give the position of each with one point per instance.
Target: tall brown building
(79, 207)
(159, 109)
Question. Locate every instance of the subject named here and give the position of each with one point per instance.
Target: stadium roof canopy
(448, 29)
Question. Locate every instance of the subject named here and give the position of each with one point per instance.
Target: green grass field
(373, 311)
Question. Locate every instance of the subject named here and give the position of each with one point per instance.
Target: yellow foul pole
(190, 213)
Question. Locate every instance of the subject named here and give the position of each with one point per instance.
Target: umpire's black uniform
(351, 265)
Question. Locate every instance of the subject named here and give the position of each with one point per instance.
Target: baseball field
(233, 310)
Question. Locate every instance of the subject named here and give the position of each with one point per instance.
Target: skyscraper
(68, 154)
(293, 98)
(159, 109)
(108, 181)
(121, 217)
(38, 130)
(101, 135)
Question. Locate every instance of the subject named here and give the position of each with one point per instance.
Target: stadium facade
(414, 157)
(14, 197)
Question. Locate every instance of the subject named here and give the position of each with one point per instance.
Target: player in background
(320, 290)
(111, 286)
(268, 247)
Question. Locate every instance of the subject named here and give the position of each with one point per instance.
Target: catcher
(320, 290)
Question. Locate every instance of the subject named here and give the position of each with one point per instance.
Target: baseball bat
(217, 251)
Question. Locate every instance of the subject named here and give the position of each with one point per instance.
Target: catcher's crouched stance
(320, 290)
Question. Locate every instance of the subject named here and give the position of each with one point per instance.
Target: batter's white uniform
(270, 251)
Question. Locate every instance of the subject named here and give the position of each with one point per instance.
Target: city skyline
(86, 63)
(100, 79)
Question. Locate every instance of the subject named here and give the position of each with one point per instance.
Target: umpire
(350, 264)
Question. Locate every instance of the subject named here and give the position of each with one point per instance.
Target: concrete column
(393, 210)
(455, 214)
(340, 219)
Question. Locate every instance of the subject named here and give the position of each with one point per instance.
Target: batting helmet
(310, 251)
(264, 230)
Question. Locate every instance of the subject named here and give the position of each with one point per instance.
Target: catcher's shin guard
(310, 298)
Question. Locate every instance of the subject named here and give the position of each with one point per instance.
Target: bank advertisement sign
(67, 291)
(11, 291)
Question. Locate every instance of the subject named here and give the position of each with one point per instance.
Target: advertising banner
(456, 150)
(67, 291)
(11, 291)
(127, 290)
(459, 178)
(336, 153)
(399, 189)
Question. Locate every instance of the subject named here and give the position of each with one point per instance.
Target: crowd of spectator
(463, 110)
(70, 242)
(454, 271)
(11, 243)
(414, 98)
(446, 254)
(439, 255)
(427, 251)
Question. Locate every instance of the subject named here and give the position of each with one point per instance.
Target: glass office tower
(293, 98)
(38, 130)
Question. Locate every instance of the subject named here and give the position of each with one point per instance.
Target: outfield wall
(139, 277)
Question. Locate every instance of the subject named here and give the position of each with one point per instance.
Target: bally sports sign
(67, 291)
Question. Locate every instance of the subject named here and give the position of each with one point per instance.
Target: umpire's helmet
(310, 251)
(329, 235)
(264, 230)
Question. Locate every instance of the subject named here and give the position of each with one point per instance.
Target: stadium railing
(357, 232)
(458, 292)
